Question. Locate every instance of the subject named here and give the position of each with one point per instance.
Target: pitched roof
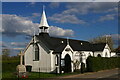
(58, 44)
(98, 46)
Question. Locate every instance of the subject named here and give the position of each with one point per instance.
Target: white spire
(43, 22)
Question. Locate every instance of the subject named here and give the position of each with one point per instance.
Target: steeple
(43, 23)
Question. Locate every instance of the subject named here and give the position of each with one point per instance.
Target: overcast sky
(81, 20)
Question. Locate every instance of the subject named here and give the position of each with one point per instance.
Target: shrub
(9, 64)
(101, 63)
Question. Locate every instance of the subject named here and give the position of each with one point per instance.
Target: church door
(67, 67)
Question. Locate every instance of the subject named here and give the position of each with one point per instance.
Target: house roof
(58, 44)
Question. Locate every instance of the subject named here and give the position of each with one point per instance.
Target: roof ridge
(69, 39)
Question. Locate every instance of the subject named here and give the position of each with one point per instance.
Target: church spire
(43, 23)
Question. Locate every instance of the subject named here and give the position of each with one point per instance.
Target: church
(52, 54)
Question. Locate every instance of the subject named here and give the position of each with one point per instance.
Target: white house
(52, 54)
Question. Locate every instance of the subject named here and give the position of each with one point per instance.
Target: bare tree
(103, 39)
(5, 52)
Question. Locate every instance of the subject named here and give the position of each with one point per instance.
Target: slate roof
(98, 46)
(58, 44)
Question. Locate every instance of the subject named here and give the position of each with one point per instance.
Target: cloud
(54, 4)
(36, 14)
(5, 45)
(72, 10)
(66, 18)
(13, 25)
(116, 39)
(93, 7)
(62, 1)
(116, 36)
(14, 47)
(31, 4)
(57, 31)
(107, 17)
(18, 44)
(17, 48)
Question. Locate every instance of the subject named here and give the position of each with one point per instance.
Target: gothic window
(89, 55)
(56, 60)
(106, 54)
(36, 49)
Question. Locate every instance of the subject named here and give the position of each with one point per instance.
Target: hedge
(102, 63)
(10, 66)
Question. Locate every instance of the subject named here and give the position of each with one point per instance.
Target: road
(112, 74)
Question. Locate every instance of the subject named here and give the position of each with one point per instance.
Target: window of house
(36, 49)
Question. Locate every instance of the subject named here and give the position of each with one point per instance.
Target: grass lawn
(8, 75)
(9, 69)
(35, 75)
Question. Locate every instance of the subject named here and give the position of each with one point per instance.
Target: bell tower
(44, 27)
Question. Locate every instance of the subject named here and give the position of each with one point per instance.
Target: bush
(101, 63)
(9, 64)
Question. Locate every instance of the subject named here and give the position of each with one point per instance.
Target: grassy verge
(35, 75)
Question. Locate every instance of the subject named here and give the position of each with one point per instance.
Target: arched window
(36, 49)
(106, 54)
(89, 54)
(98, 55)
(56, 60)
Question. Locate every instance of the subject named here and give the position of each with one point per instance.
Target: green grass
(48, 75)
(8, 75)
(9, 68)
(41, 75)
(35, 75)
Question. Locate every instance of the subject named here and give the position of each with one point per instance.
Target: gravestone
(21, 69)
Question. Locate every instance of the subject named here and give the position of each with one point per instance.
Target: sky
(76, 20)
